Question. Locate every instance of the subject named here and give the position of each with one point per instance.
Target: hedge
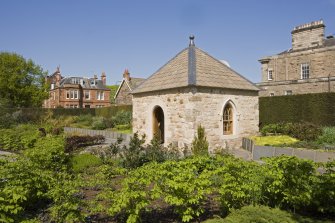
(35, 114)
(315, 108)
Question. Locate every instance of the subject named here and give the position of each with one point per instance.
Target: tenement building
(308, 67)
(194, 89)
(77, 92)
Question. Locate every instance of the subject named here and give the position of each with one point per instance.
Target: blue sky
(86, 37)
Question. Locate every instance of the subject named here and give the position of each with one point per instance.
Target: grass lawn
(273, 140)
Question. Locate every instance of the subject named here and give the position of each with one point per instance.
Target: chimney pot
(103, 78)
(126, 75)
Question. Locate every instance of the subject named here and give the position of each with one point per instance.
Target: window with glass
(304, 71)
(87, 95)
(100, 95)
(228, 120)
(288, 92)
(270, 74)
(72, 94)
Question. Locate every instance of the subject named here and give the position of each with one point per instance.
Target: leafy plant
(288, 182)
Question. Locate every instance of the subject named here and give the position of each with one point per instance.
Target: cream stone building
(308, 67)
(194, 89)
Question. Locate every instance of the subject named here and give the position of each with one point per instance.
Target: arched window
(228, 120)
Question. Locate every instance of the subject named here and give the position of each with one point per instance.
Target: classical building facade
(123, 94)
(308, 67)
(77, 92)
(195, 89)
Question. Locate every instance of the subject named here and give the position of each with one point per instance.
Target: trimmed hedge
(23, 115)
(315, 108)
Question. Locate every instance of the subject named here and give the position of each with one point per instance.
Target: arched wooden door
(158, 124)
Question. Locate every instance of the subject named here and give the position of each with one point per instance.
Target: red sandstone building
(77, 92)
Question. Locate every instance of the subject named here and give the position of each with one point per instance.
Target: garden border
(257, 152)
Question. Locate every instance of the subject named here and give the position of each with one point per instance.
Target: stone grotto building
(194, 89)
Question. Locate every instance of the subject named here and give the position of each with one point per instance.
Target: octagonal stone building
(193, 89)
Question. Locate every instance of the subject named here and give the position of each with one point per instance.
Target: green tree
(113, 92)
(200, 143)
(22, 83)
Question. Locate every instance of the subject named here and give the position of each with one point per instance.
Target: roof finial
(192, 40)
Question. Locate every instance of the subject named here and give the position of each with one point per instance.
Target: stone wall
(124, 96)
(187, 108)
(287, 72)
(318, 85)
(288, 66)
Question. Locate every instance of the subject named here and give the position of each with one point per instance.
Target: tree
(200, 143)
(22, 83)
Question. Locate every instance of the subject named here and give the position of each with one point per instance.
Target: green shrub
(83, 161)
(327, 137)
(133, 155)
(122, 118)
(324, 190)
(288, 182)
(20, 137)
(305, 131)
(200, 143)
(74, 142)
(48, 153)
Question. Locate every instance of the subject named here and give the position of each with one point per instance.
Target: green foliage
(327, 137)
(315, 108)
(113, 92)
(133, 156)
(19, 138)
(200, 143)
(304, 131)
(288, 182)
(48, 153)
(324, 189)
(277, 140)
(239, 183)
(81, 162)
(122, 118)
(66, 199)
(187, 184)
(21, 82)
(259, 214)
(101, 123)
(39, 178)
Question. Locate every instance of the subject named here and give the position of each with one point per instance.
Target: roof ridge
(192, 67)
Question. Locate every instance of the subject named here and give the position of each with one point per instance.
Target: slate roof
(194, 67)
(86, 83)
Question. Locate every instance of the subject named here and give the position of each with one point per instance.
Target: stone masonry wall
(288, 66)
(301, 87)
(287, 72)
(308, 38)
(186, 108)
(124, 96)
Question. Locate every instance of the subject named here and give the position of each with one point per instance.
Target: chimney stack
(126, 75)
(103, 78)
(308, 35)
